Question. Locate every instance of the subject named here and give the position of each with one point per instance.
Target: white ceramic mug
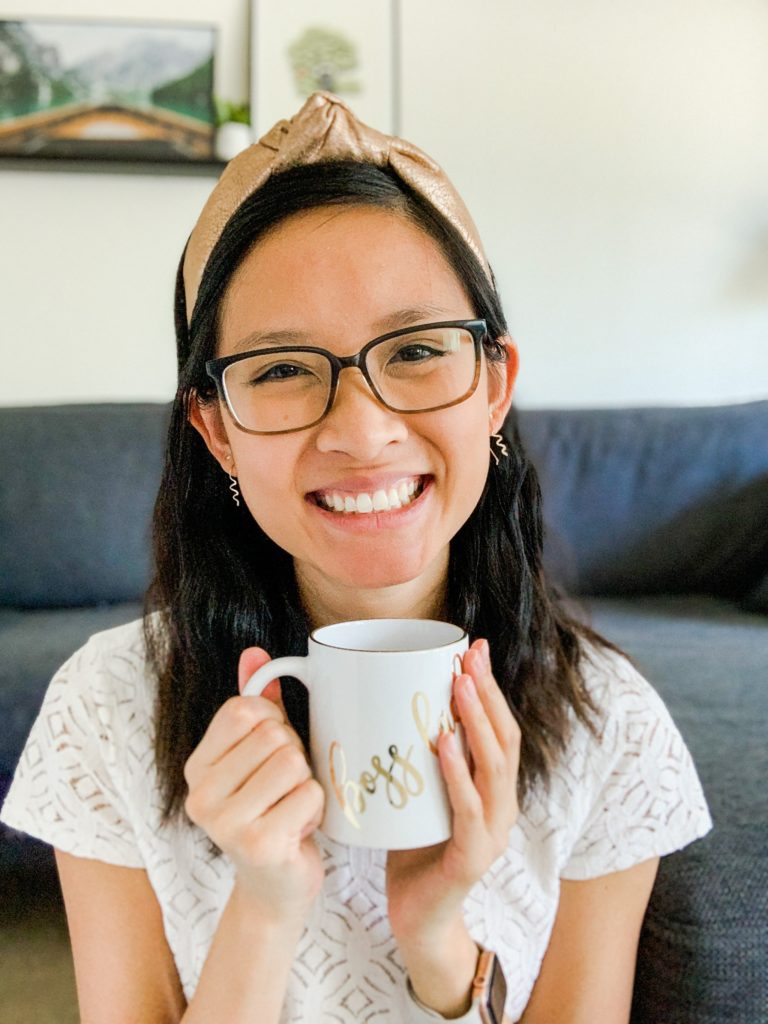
(380, 694)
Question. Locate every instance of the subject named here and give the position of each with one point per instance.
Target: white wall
(614, 155)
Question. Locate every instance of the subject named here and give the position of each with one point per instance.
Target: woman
(298, 492)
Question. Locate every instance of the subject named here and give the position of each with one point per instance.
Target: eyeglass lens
(413, 372)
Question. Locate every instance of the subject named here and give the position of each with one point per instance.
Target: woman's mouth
(401, 494)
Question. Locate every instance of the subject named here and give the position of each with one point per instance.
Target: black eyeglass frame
(215, 369)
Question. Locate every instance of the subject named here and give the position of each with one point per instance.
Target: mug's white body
(375, 717)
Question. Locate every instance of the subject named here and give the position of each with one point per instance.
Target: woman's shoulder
(629, 712)
(616, 685)
(119, 647)
(86, 773)
(633, 788)
(109, 671)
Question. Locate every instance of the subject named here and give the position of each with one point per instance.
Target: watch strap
(483, 997)
(418, 1013)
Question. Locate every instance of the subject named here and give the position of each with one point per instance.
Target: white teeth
(379, 501)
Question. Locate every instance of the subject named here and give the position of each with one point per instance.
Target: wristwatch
(489, 988)
(489, 993)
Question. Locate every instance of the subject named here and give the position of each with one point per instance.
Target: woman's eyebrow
(391, 322)
(257, 338)
(406, 317)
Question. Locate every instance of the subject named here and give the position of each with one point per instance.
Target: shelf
(199, 168)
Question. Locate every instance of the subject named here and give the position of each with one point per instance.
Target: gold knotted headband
(324, 129)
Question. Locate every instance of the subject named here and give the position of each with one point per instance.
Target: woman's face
(338, 278)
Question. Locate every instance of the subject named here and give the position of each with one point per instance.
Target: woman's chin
(376, 577)
(368, 570)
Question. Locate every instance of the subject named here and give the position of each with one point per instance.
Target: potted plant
(233, 128)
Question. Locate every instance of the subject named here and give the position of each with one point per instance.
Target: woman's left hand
(426, 888)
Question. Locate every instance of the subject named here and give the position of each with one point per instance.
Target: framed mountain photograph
(106, 90)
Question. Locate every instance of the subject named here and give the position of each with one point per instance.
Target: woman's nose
(358, 424)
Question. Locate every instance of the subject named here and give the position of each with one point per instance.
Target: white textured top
(86, 783)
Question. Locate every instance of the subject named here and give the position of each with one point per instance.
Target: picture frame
(88, 89)
(347, 47)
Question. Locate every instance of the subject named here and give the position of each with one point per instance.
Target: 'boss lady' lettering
(400, 777)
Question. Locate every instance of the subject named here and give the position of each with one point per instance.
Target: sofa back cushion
(77, 487)
(653, 500)
(635, 500)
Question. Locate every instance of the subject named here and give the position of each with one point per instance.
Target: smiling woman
(344, 368)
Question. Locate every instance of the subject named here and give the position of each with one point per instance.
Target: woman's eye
(282, 371)
(414, 353)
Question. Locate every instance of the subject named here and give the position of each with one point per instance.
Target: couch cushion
(757, 599)
(668, 500)
(702, 950)
(76, 495)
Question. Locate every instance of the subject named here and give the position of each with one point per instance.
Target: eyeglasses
(278, 390)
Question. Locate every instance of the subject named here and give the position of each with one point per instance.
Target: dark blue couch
(657, 519)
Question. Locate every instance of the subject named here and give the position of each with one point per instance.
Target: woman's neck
(327, 601)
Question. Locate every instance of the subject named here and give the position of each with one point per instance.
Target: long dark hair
(221, 584)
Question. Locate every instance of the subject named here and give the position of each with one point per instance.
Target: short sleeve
(642, 795)
(70, 784)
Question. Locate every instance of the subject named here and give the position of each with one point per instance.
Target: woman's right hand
(251, 789)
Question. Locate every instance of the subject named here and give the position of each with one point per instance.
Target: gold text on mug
(349, 792)
(422, 716)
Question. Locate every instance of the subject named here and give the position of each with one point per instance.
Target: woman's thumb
(252, 659)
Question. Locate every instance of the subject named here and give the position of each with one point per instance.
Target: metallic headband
(324, 129)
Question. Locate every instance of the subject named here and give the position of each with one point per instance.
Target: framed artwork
(106, 90)
(347, 47)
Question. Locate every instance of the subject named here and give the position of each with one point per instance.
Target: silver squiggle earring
(501, 446)
(233, 488)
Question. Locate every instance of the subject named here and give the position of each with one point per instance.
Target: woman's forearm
(245, 976)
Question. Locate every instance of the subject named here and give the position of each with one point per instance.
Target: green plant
(227, 111)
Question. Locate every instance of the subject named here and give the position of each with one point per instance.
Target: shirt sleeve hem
(583, 868)
(67, 841)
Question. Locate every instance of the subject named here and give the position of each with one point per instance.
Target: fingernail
(470, 691)
(475, 660)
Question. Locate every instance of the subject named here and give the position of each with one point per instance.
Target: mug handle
(296, 667)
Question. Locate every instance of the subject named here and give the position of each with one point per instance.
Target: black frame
(215, 369)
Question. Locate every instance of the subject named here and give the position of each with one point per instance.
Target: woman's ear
(206, 418)
(501, 384)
